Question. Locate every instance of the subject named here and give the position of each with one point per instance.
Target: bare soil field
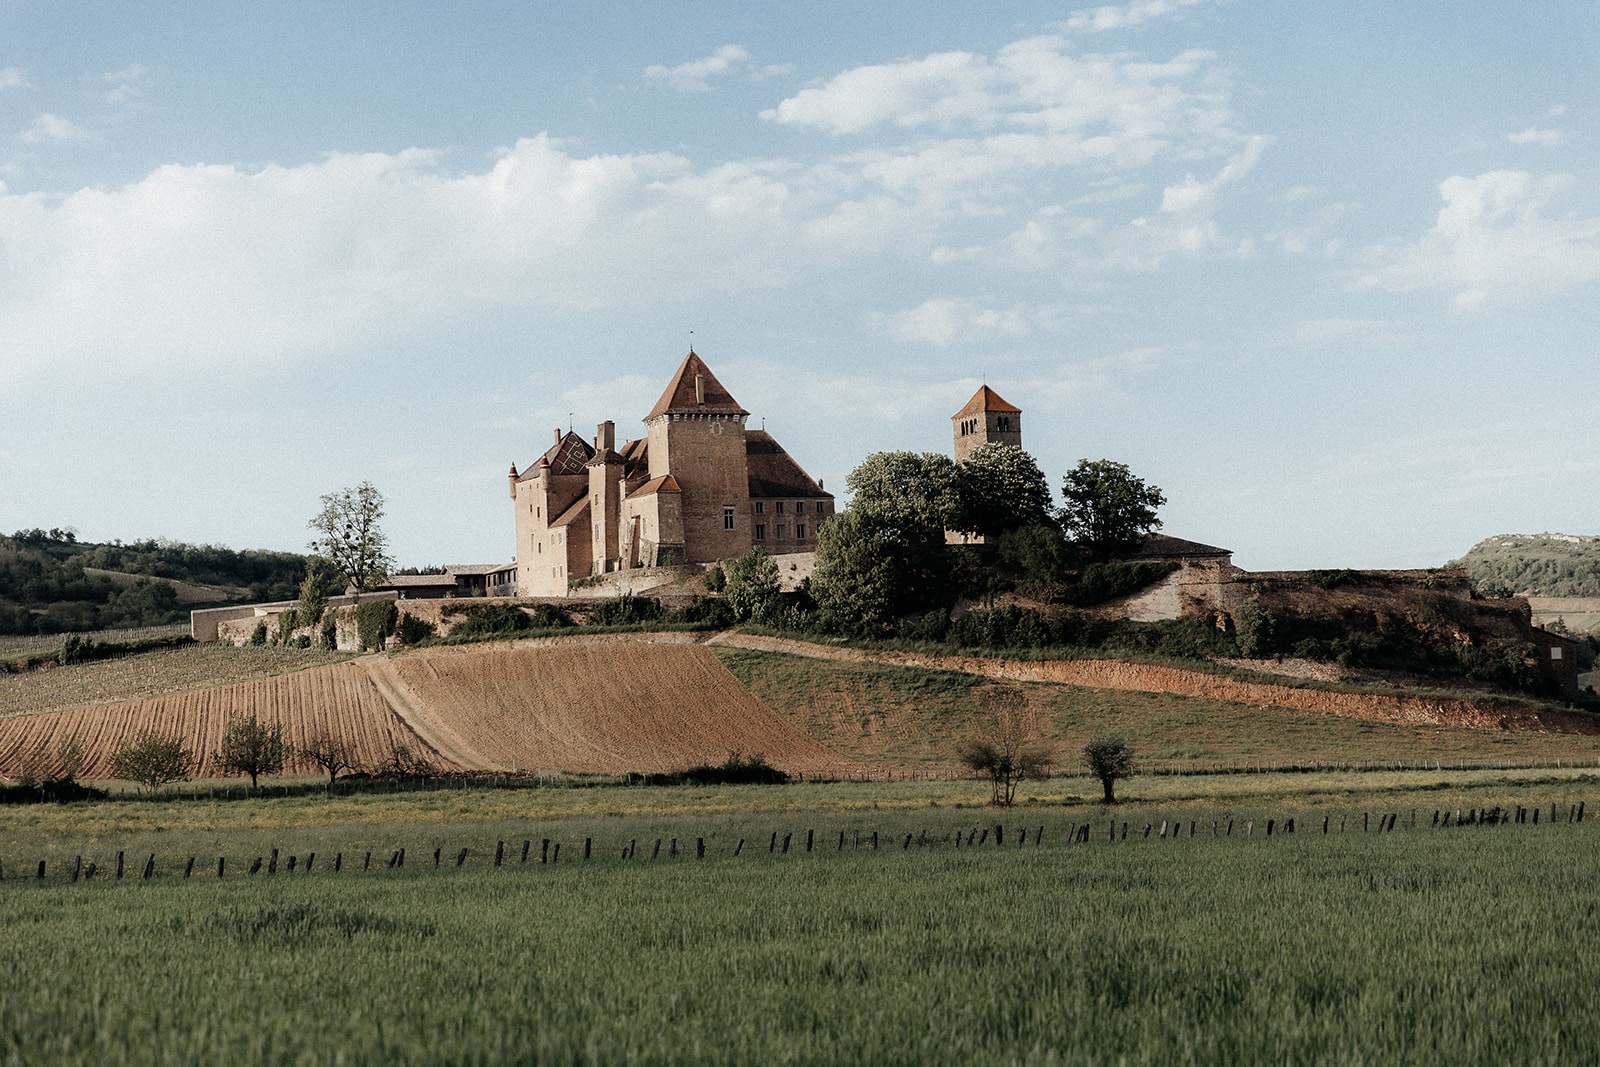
(339, 700)
(607, 707)
(581, 705)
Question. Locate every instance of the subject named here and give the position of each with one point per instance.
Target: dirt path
(1485, 714)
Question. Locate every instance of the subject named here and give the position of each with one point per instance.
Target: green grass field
(1467, 945)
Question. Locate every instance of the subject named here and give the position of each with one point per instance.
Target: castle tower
(696, 437)
(985, 420)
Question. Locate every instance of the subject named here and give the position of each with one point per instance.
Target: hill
(1542, 565)
(50, 582)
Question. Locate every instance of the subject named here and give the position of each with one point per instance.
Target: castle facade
(698, 487)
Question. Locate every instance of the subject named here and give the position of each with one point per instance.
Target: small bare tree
(1109, 758)
(1006, 747)
(330, 753)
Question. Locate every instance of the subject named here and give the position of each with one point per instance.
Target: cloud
(127, 84)
(1492, 241)
(1542, 138)
(943, 321)
(12, 78)
(219, 269)
(1123, 16)
(695, 76)
(53, 128)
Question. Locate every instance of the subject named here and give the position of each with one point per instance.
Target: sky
(1327, 274)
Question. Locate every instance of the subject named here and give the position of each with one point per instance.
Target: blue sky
(1327, 274)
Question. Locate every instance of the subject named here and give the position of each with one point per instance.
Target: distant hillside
(50, 582)
(1546, 565)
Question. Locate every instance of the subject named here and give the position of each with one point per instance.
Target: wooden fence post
(291, 864)
(555, 853)
(656, 849)
(400, 861)
(588, 843)
(149, 867)
(672, 848)
(77, 868)
(1363, 822)
(88, 872)
(461, 857)
(999, 834)
(786, 843)
(772, 846)
(436, 853)
(119, 864)
(500, 851)
(1250, 828)
(1038, 837)
(272, 864)
(544, 850)
(338, 862)
(874, 840)
(699, 848)
(907, 844)
(366, 865)
(809, 834)
(526, 844)
(739, 847)
(841, 841)
(41, 869)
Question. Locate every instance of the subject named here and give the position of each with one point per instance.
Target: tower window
(761, 531)
(727, 518)
(780, 507)
(761, 506)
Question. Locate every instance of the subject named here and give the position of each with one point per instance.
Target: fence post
(221, 863)
(555, 853)
(77, 868)
(874, 840)
(526, 844)
(699, 848)
(1250, 828)
(500, 851)
(461, 857)
(739, 847)
(907, 844)
(291, 864)
(272, 864)
(338, 862)
(1363, 822)
(656, 849)
(672, 847)
(786, 843)
(41, 869)
(544, 850)
(772, 846)
(119, 863)
(366, 864)
(809, 833)
(1038, 837)
(999, 834)
(841, 841)
(149, 867)
(436, 853)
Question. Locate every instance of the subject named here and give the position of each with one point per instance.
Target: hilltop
(1542, 565)
(50, 582)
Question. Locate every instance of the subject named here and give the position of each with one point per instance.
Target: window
(761, 506)
(799, 531)
(761, 531)
(780, 507)
(1555, 654)
(727, 518)
(799, 507)
(783, 531)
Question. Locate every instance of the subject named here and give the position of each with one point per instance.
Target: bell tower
(985, 420)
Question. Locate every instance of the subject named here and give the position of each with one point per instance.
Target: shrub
(492, 620)
(1007, 627)
(716, 578)
(285, 628)
(412, 629)
(549, 617)
(252, 747)
(1100, 582)
(625, 610)
(329, 637)
(735, 770)
(375, 621)
(153, 759)
(1255, 628)
(1109, 758)
(703, 611)
(259, 636)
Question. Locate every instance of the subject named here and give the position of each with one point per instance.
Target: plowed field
(340, 700)
(603, 707)
(593, 707)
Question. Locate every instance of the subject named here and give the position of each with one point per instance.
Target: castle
(698, 487)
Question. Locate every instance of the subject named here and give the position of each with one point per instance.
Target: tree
(153, 759)
(1109, 758)
(750, 584)
(1006, 749)
(1000, 488)
(313, 597)
(330, 753)
(252, 747)
(349, 537)
(886, 556)
(1107, 509)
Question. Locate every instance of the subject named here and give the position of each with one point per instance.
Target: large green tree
(750, 584)
(1000, 488)
(886, 556)
(1107, 510)
(349, 537)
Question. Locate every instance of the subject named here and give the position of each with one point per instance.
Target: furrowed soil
(580, 705)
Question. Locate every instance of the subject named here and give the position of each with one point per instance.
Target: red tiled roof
(680, 394)
(985, 399)
(773, 472)
(664, 484)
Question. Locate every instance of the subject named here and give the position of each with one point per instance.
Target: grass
(21, 647)
(1303, 949)
(149, 674)
(908, 716)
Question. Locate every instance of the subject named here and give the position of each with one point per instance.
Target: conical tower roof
(985, 399)
(684, 396)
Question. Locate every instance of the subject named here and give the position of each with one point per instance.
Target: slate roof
(680, 392)
(773, 472)
(570, 455)
(985, 399)
(574, 513)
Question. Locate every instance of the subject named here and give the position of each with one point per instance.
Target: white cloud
(1191, 196)
(695, 76)
(127, 84)
(944, 321)
(53, 128)
(1493, 241)
(12, 78)
(1543, 138)
(219, 268)
(1123, 16)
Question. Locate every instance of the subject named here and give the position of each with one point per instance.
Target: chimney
(605, 436)
(558, 435)
(699, 389)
